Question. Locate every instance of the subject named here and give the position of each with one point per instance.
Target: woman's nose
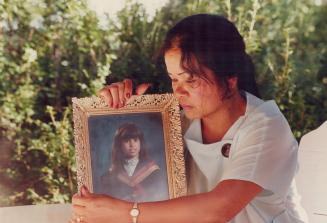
(179, 90)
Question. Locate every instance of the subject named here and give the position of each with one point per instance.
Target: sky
(112, 6)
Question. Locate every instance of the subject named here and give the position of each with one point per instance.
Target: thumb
(141, 89)
(85, 192)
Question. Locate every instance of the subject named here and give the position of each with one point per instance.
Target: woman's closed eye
(187, 78)
(174, 80)
(193, 81)
(190, 81)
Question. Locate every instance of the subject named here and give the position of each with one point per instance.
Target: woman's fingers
(79, 210)
(78, 218)
(106, 95)
(85, 192)
(113, 94)
(121, 93)
(128, 84)
(113, 89)
(81, 201)
(141, 89)
(116, 94)
(76, 195)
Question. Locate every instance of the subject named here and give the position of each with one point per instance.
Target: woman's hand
(116, 94)
(93, 208)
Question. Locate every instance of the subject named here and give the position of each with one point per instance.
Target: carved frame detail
(166, 104)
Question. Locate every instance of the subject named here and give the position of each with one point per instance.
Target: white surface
(312, 177)
(113, 6)
(50, 213)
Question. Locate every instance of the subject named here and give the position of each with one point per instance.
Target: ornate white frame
(166, 104)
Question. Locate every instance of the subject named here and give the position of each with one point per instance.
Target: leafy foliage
(54, 50)
(49, 53)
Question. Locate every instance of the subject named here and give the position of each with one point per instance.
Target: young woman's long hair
(215, 43)
(124, 132)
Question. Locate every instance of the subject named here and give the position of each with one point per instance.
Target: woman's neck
(132, 158)
(215, 125)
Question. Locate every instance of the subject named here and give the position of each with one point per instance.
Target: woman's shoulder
(264, 117)
(260, 112)
(259, 107)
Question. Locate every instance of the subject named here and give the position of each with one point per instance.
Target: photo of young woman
(133, 175)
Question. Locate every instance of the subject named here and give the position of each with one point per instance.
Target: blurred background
(53, 50)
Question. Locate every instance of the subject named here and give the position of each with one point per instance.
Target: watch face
(134, 212)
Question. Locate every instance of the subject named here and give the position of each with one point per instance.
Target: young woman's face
(198, 97)
(131, 147)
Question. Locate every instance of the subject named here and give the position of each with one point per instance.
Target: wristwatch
(134, 213)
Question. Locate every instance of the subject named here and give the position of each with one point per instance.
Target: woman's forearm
(201, 208)
(219, 205)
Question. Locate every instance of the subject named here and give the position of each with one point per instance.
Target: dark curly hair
(216, 44)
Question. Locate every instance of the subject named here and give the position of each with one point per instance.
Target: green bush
(52, 51)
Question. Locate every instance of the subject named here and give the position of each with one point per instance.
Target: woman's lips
(186, 107)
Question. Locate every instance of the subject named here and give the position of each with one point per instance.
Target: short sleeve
(264, 152)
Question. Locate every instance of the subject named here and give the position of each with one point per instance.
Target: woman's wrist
(134, 212)
(127, 208)
(119, 210)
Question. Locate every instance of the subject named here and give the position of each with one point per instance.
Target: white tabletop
(50, 213)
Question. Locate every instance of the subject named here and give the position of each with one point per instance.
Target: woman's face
(198, 97)
(131, 147)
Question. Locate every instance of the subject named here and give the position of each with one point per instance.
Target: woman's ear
(232, 83)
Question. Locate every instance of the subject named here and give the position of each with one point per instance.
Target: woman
(132, 175)
(241, 155)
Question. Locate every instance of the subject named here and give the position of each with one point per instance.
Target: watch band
(134, 213)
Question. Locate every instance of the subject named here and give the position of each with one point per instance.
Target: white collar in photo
(130, 165)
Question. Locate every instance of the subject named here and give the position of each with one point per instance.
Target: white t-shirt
(263, 151)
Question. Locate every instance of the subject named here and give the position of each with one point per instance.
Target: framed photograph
(134, 153)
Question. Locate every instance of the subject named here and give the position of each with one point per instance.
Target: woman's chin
(191, 114)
